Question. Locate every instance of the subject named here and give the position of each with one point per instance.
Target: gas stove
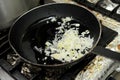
(12, 67)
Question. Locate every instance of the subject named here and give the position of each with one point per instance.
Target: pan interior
(29, 25)
(40, 32)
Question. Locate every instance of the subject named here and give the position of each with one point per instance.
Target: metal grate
(4, 44)
(103, 7)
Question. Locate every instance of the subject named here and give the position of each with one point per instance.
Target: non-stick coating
(58, 9)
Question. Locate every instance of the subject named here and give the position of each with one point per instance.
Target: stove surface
(12, 67)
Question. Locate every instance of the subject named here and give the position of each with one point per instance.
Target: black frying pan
(29, 24)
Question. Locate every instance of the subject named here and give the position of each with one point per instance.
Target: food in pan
(68, 43)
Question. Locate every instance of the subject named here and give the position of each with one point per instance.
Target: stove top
(13, 68)
(105, 7)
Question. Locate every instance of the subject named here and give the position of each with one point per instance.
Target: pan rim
(55, 65)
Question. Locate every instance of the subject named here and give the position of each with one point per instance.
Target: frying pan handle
(106, 53)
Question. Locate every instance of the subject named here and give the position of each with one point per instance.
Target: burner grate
(4, 44)
(105, 7)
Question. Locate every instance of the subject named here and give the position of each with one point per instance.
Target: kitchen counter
(100, 67)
